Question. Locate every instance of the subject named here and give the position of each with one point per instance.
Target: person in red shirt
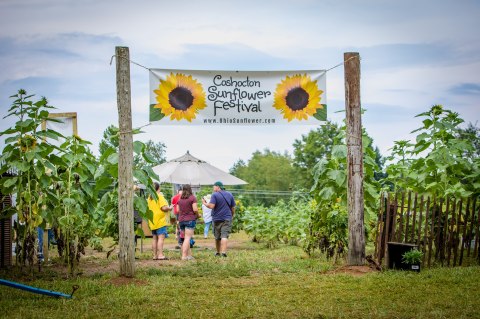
(175, 200)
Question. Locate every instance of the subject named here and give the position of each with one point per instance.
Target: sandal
(163, 258)
(154, 258)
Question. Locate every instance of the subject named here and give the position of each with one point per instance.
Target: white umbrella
(190, 170)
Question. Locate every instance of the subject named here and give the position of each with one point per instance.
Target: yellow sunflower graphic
(297, 97)
(180, 97)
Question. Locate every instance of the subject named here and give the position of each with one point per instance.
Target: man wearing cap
(222, 204)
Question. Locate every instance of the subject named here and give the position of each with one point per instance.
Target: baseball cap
(219, 184)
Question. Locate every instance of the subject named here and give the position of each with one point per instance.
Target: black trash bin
(395, 254)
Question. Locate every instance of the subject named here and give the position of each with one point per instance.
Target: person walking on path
(187, 216)
(222, 205)
(159, 223)
(207, 216)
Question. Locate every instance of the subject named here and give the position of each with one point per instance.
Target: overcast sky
(413, 54)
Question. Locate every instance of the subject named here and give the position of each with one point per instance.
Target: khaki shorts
(222, 229)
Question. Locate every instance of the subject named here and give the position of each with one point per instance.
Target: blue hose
(37, 290)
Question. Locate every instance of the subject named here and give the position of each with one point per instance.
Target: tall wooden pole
(125, 165)
(356, 232)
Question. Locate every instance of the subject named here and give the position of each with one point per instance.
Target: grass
(253, 282)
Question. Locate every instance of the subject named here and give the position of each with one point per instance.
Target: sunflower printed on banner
(180, 97)
(208, 97)
(297, 97)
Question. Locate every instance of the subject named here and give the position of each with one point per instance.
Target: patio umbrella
(190, 170)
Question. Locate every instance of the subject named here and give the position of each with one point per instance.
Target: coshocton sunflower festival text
(230, 94)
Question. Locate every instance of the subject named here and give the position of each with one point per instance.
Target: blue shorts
(188, 224)
(160, 231)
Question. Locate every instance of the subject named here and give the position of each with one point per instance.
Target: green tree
(238, 167)
(267, 171)
(308, 150)
(110, 139)
(155, 152)
(471, 133)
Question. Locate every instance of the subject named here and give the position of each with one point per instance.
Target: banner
(179, 97)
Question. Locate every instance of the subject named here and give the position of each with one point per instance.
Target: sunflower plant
(75, 216)
(328, 229)
(106, 179)
(26, 169)
(284, 222)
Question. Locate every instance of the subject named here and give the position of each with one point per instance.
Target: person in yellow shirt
(159, 223)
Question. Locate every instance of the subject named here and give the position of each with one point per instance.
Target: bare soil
(352, 270)
(95, 263)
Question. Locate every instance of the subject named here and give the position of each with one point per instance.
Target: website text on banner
(179, 97)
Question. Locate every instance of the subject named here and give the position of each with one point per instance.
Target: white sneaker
(188, 258)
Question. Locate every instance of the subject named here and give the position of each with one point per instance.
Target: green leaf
(420, 147)
(87, 188)
(113, 158)
(140, 204)
(422, 137)
(321, 114)
(68, 201)
(25, 124)
(141, 176)
(90, 167)
(107, 153)
(151, 173)
(12, 139)
(10, 182)
(113, 171)
(149, 158)
(39, 170)
(149, 215)
(326, 193)
(51, 134)
(339, 151)
(30, 155)
(155, 114)
(21, 166)
(103, 182)
(99, 172)
(138, 147)
(340, 178)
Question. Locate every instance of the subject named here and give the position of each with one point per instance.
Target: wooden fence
(446, 230)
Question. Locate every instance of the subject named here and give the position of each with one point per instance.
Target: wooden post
(356, 231)
(125, 164)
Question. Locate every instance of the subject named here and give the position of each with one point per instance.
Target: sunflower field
(59, 186)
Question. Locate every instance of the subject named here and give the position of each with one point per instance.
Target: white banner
(179, 97)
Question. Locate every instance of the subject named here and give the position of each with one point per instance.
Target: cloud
(231, 56)
(465, 89)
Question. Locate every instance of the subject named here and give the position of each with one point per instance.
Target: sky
(414, 54)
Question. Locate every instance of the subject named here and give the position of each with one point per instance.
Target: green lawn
(253, 282)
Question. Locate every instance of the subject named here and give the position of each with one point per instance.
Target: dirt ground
(95, 262)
